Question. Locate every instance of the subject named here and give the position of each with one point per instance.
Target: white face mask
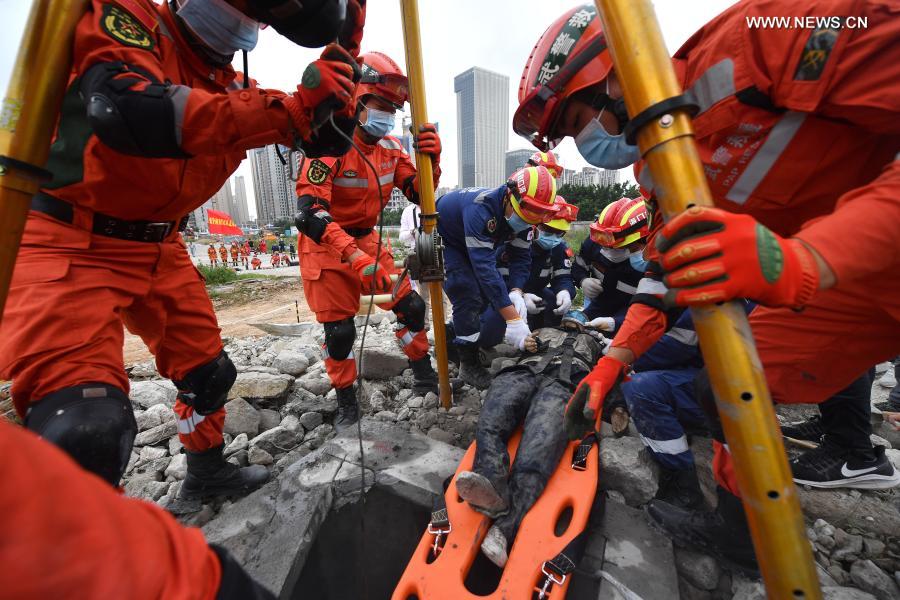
(220, 26)
(615, 255)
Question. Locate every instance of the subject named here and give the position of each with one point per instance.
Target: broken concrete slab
(259, 384)
(271, 531)
(289, 329)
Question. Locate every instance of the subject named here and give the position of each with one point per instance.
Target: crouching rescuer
(341, 256)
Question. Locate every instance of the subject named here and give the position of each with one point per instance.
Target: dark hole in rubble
(341, 564)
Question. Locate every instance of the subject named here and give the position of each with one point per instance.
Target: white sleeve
(407, 225)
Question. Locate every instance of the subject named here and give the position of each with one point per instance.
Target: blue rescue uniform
(551, 272)
(473, 227)
(619, 280)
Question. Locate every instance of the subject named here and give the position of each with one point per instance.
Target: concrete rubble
(280, 415)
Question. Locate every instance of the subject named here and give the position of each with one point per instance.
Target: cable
(362, 344)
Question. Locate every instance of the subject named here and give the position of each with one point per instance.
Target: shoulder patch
(124, 28)
(567, 263)
(317, 171)
(491, 225)
(530, 236)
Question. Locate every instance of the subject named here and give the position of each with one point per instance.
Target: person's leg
(462, 289)
(540, 450)
(504, 408)
(177, 322)
(61, 343)
(661, 404)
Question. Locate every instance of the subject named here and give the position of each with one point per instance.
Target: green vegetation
(222, 275)
(591, 199)
(392, 217)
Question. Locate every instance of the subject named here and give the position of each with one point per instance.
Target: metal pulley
(426, 263)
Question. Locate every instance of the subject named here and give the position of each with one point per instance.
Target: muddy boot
(348, 409)
(209, 475)
(470, 369)
(425, 378)
(481, 495)
(723, 533)
(680, 488)
(495, 547)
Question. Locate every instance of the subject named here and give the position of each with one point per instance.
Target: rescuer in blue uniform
(474, 223)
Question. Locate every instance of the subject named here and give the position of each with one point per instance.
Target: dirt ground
(238, 304)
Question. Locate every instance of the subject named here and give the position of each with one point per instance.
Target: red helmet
(382, 77)
(571, 55)
(568, 214)
(533, 192)
(547, 160)
(621, 223)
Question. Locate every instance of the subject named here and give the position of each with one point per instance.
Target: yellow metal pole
(28, 118)
(645, 72)
(409, 10)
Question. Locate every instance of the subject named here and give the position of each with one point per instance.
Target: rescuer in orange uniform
(100, 545)
(245, 255)
(213, 256)
(153, 123)
(223, 254)
(339, 201)
(234, 253)
(799, 130)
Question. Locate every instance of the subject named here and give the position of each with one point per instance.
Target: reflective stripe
(779, 138)
(326, 355)
(676, 446)
(557, 272)
(474, 242)
(479, 199)
(469, 338)
(597, 274)
(178, 94)
(351, 182)
(651, 286)
(624, 287)
(386, 178)
(389, 143)
(716, 83)
(520, 243)
(406, 339)
(580, 262)
(503, 271)
(188, 425)
(544, 273)
(685, 336)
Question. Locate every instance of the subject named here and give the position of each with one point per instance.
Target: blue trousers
(475, 320)
(662, 404)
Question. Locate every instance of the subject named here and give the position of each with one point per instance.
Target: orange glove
(351, 35)
(584, 408)
(429, 142)
(372, 275)
(711, 255)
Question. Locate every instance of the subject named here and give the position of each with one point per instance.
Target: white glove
(518, 301)
(516, 332)
(534, 303)
(602, 323)
(563, 302)
(591, 287)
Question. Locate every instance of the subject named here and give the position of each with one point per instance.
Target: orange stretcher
(441, 563)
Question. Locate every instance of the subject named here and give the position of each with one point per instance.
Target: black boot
(425, 379)
(452, 349)
(210, 475)
(723, 534)
(680, 488)
(348, 409)
(470, 369)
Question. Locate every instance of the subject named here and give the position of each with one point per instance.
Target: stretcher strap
(439, 526)
(580, 454)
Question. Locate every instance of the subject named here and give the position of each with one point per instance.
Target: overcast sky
(493, 34)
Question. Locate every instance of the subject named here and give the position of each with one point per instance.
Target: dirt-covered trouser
(516, 395)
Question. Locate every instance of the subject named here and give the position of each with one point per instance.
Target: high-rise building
(589, 176)
(241, 214)
(275, 191)
(482, 117)
(516, 159)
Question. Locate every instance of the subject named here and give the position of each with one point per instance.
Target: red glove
(328, 84)
(711, 255)
(428, 142)
(350, 36)
(372, 275)
(584, 407)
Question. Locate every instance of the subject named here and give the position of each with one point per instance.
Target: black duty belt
(358, 232)
(135, 231)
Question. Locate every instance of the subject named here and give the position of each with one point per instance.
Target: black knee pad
(704, 393)
(93, 422)
(206, 387)
(410, 310)
(339, 337)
